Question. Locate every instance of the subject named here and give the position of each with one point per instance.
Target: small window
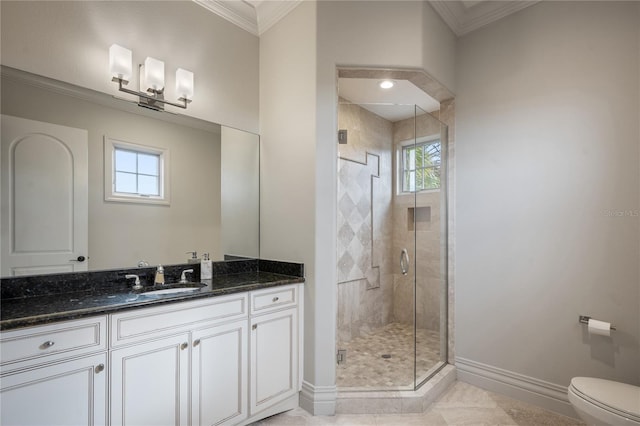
(421, 165)
(135, 173)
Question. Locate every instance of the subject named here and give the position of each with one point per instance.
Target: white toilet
(605, 402)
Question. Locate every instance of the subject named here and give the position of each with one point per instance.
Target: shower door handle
(404, 261)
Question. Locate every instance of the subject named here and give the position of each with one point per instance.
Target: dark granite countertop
(47, 308)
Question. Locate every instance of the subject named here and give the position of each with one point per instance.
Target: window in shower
(421, 166)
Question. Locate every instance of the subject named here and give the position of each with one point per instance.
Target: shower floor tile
(383, 358)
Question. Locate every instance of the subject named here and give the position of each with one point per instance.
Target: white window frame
(400, 166)
(110, 146)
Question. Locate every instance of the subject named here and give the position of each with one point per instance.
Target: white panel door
(68, 393)
(44, 198)
(274, 358)
(219, 374)
(150, 383)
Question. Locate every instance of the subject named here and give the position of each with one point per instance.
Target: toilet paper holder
(584, 319)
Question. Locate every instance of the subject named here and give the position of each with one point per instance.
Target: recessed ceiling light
(386, 84)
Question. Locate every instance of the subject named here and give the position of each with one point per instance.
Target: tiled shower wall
(374, 226)
(428, 232)
(365, 281)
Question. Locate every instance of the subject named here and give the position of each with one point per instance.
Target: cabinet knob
(184, 346)
(47, 344)
(196, 342)
(99, 368)
(254, 326)
(275, 299)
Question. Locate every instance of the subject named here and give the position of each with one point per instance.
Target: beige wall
(70, 40)
(549, 191)
(121, 234)
(287, 161)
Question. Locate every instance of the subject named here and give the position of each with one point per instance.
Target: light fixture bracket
(154, 101)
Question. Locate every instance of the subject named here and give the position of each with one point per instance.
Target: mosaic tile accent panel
(355, 219)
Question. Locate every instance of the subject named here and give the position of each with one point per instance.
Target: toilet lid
(618, 396)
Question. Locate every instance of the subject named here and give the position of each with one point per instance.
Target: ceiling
(255, 16)
(396, 103)
(462, 16)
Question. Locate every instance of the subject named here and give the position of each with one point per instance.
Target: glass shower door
(376, 291)
(428, 183)
(391, 228)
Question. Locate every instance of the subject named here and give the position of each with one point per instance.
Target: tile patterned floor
(367, 369)
(462, 404)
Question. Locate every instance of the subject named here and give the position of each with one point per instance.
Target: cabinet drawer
(152, 323)
(57, 340)
(273, 298)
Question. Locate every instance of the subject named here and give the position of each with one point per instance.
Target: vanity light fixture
(387, 84)
(151, 79)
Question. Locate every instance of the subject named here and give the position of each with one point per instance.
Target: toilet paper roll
(601, 328)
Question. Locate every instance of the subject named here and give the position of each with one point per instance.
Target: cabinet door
(219, 374)
(274, 358)
(150, 383)
(67, 393)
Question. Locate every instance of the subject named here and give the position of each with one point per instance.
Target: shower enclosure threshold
(367, 401)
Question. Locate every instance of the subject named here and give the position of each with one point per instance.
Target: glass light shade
(184, 84)
(386, 84)
(154, 74)
(120, 60)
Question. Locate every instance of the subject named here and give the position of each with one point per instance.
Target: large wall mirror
(49, 208)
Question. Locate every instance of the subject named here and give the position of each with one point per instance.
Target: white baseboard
(549, 396)
(318, 400)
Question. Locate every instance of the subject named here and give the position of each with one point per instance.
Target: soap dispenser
(206, 267)
(159, 280)
(194, 257)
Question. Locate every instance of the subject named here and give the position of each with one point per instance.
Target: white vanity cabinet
(55, 374)
(150, 383)
(219, 374)
(226, 360)
(180, 364)
(274, 347)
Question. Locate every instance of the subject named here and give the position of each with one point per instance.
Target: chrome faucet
(183, 276)
(136, 284)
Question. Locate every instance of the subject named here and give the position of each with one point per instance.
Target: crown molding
(452, 12)
(462, 19)
(237, 12)
(255, 17)
(270, 12)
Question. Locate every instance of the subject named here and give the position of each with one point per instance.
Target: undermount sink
(173, 290)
